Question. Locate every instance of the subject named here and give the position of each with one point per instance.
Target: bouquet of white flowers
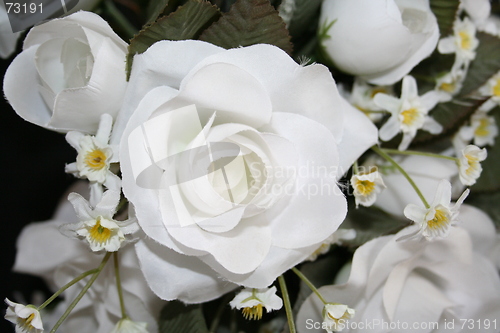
(322, 166)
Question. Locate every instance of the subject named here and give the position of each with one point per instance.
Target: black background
(32, 181)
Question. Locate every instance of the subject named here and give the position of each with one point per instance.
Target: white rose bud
(379, 40)
(70, 72)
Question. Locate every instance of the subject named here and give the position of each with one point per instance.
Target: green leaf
(158, 8)
(445, 11)
(371, 222)
(485, 65)
(488, 202)
(187, 22)
(179, 318)
(302, 15)
(490, 176)
(249, 22)
(451, 116)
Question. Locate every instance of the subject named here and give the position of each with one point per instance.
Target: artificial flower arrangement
(268, 166)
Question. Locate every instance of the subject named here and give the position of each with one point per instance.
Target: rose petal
(174, 276)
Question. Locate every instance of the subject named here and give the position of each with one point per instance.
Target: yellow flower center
(473, 162)
(496, 88)
(99, 233)
(409, 116)
(96, 159)
(439, 220)
(365, 187)
(448, 87)
(377, 90)
(465, 40)
(25, 323)
(482, 129)
(253, 313)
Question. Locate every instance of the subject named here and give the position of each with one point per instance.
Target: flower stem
(66, 286)
(80, 295)
(355, 167)
(421, 153)
(119, 18)
(288, 306)
(403, 172)
(119, 285)
(309, 284)
(218, 314)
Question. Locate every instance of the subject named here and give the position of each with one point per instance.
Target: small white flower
(362, 95)
(482, 130)
(485, 129)
(125, 325)
(94, 155)
(463, 42)
(97, 226)
(26, 317)
(450, 84)
(409, 113)
(469, 164)
(492, 88)
(335, 316)
(435, 221)
(366, 186)
(251, 301)
(336, 238)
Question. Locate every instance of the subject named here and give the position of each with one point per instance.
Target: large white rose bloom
(259, 213)
(70, 72)
(378, 40)
(419, 286)
(43, 251)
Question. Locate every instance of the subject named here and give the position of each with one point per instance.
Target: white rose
(379, 40)
(408, 285)
(70, 72)
(43, 251)
(262, 211)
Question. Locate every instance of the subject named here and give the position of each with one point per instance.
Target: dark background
(32, 180)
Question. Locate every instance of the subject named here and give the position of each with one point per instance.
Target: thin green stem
(119, 18)
(403, 172)
(309, 284)
(288, 305)
(381, 111)
(66, 286)
(420, 153)
(119, 285)
(80, 295)
(355, 167)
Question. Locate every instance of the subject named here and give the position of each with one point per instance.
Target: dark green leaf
(187, 22)
(302, 13)
(371, 222)
(249, 22)
(176, 317)
(158, 8)
(431, 68)
(488, 202)
(490, 177)
(485, 65)
(451, 115)
(445, 11)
